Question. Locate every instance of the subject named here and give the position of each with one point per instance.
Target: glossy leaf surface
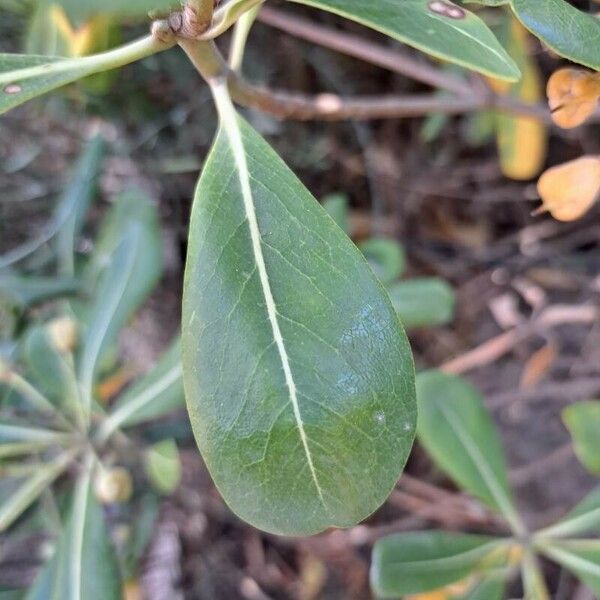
(412, 563)
(442, 29)
(298, 376)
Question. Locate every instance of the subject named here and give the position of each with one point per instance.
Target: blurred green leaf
(583, 422)
(336, 206)
(423, 302)
(127, 265)
(581, 557)
(157, 393)
(451, 34)
(492, 588)
(163, 466)
(68, 214)
(25, 290)
(30, 488)
(584, 518)
(386, 258)
(84, 565)
(79, 10)
(78, 196)
(413, 563)
(458, 433)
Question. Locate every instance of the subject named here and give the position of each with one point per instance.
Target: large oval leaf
(298, 377)
(441, 28)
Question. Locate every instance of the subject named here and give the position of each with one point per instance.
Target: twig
(493, 349)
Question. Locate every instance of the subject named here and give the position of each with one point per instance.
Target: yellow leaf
(569, 190)
(573, 96)
(89, 38)
(435, 595)
(522, 141)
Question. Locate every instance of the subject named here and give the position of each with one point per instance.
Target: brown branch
(330, 107)
(493, 349)
(355, 46)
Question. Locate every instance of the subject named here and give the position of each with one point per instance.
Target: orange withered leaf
(573, 96)
(569, 190)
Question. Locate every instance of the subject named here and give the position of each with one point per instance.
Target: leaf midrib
(230, 126)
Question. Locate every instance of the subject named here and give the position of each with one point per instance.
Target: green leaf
(581, 557)
(30, 490)
(163, 466)
(491, 588)
(584, 518)
(413, 563)
(128, 264)
(298, 376)
(48, 368)
(459, 434)
(79, 196)
(25, 76)
(25, 290)
(423, 302)
(583, 422)
(568, 31)
(463, 39)
(336, 206)
(68, 214)
(80, 10)
(84, 565)
(157, 393)
(386, 258)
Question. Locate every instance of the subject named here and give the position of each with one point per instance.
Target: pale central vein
(229, 121)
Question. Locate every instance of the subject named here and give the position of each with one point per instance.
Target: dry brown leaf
(573, 96)
(569, 190)
(538, 366)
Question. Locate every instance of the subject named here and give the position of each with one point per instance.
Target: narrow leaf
(458, 433)
(442, 29)
(154, 395)
(127, 264)
(25, 290)
(581, 557)
(24, 76)
(413, 563)
(298, 376)
(584, 518)
(84, 565)
(31, 488)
